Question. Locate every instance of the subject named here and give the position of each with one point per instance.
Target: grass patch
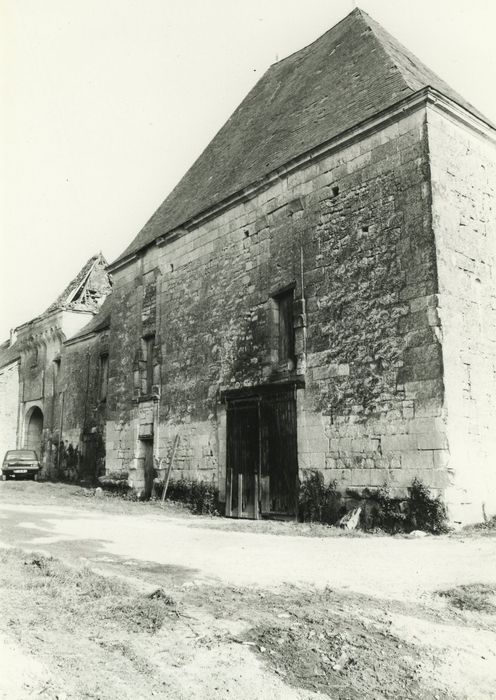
(51, 575)
(82, 594)
(476, 597)
(487, 527)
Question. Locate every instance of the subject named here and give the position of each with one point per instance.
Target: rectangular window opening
(285, 328)
(103, 376)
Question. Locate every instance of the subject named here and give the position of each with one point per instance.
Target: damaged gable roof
(98, 323)
(86, 290)
(352, 72)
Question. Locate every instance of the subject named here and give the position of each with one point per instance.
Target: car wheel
(35, 477)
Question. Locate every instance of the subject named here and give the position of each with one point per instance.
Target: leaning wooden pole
(169, 469)
(61, 425)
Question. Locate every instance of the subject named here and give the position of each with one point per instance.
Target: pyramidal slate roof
(352, 72)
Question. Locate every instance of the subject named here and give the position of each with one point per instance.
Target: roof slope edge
(415, 73)
(349, 74)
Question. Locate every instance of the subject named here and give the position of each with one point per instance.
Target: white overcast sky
(106, 103)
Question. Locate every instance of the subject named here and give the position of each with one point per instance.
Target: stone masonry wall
(463, 167)
(353, 234)
(40, 343)
(9, 406)
(84, 419)
(42, 363)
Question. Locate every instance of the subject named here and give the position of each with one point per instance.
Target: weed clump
(478, 597)
(43, 564)
(116, 484)
(141, 614)
(201, 497)
(318, 502)
(486, 527)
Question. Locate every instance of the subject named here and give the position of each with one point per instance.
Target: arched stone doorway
(34, 430)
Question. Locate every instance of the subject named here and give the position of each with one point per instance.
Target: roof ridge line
(444, 88)
(370, 23)
(356, 10)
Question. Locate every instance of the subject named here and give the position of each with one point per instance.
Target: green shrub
(419, 511)
(318, 502)
(201, 497)
(425, 512)
(381, 512)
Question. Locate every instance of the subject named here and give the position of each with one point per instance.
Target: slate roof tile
(352, 72)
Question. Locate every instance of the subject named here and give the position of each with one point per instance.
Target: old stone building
(317, 293)
(33, 374)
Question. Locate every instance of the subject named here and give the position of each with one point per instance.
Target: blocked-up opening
(147, 352)
(34, 430)
(103, 377)
(34, 357)
(147, 463)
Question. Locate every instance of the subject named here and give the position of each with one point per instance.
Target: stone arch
(33, 434)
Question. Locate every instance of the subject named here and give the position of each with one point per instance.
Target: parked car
(20, 464)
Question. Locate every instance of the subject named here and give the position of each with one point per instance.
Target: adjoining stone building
(316, 293)
(34, 373)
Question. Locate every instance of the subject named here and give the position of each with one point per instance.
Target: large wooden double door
(262, 464)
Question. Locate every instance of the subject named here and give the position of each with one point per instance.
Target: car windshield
(21, 454)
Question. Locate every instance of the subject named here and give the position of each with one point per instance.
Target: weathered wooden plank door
(262, 468)
(148, 467)
(242, 458)
(279, 461)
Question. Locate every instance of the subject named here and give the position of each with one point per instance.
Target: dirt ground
(243, 609)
